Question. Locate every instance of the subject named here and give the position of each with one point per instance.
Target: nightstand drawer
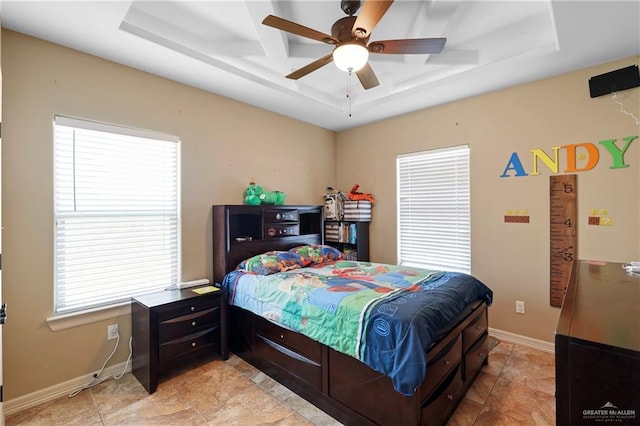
(188, 344)
(186, 307)
(188, 324)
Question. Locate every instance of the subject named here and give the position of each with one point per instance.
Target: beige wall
(513, 259)
(224, 143)
(217, 134)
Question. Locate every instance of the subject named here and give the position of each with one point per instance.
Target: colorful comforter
(387, 316)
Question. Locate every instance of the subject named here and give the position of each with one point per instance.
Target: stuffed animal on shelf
(255, 195)
(252, 194)
(354, 195)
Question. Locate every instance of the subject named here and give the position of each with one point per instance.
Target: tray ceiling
(222, 47)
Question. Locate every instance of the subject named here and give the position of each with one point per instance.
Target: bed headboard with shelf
(242, 231)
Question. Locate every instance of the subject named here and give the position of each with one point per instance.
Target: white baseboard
(518, 339)
(41, 396)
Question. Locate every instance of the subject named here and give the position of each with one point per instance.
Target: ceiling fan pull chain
(349, 90)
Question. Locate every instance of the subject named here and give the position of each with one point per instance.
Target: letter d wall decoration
(592, 155)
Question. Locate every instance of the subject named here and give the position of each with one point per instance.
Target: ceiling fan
(350, 36)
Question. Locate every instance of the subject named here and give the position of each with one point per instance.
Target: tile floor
(516, 388)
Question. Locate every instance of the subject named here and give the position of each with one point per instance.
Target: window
(116, 213)
(434, 210)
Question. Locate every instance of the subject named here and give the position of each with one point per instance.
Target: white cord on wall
(95, 381)
(622, 110)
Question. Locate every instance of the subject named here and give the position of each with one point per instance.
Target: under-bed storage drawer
(440, 406)
(292, 340)
(290, 351)
(477, 327)
(441, 365)
(476, 356)
(350, 380)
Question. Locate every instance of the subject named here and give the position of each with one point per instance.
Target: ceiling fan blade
(318, 63)
(301, 30)
(408, 46)
(367, 77)
(370, 14)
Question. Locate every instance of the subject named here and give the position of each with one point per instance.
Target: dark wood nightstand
(172, 325)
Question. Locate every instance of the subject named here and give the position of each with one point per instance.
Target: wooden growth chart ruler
(563, 192)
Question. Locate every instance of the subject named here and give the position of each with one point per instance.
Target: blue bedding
(387, 316)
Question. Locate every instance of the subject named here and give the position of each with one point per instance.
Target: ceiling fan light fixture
(350, 57)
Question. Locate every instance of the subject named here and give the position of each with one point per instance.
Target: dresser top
(602, 305)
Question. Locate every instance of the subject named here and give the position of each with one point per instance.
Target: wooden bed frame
(338, 384)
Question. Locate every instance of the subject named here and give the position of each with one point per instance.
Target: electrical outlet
(519, 307)
(112, 331)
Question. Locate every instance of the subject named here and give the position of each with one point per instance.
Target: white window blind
(434, 229)
(116, 213)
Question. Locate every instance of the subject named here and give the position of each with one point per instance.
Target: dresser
(169, 327)
(598, 347)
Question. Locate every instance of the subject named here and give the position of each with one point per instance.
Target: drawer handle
(478, 327)
(450, 397)
(481, 354)
(193, 308)
(193, 344)
(282, 336)
(447, 362)
(193, 324)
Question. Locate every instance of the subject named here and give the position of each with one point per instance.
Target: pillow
(316, 254)
(270, 262)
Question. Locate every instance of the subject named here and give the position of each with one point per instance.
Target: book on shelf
(341, 232)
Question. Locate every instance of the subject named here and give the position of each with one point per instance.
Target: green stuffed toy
(273, 197)
(255, 195)
(268, 197)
